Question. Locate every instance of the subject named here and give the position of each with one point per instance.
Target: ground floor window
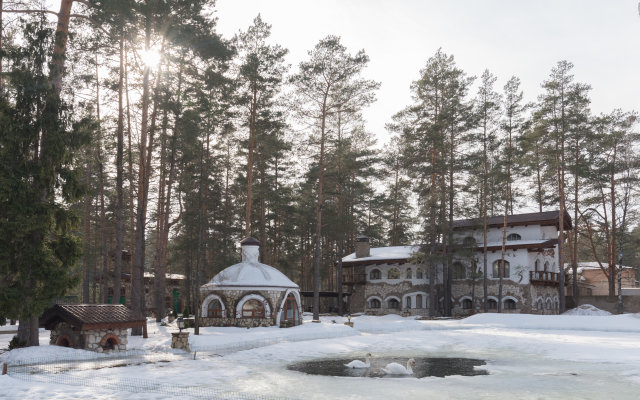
(419, 301)
(467, 304)
(493, 305)
(408, 302)
(214, 309)
(509, 304)
(253, 309)
(374, 303)
(393, 304)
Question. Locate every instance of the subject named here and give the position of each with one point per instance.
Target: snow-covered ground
(582, 356)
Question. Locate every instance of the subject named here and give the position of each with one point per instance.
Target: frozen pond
(425, 366)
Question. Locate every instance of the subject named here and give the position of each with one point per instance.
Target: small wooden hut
(97, 327)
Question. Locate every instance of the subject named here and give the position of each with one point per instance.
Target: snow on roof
(168, 276)
(385, 253)
(589, 265)
(250, 274)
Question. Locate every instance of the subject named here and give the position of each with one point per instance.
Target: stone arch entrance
(64, 341)
(110, 342)
(290, 311)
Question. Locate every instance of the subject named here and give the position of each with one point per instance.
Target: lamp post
(180, 324)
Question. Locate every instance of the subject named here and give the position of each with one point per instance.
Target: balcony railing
(544, 278)
(350, 279)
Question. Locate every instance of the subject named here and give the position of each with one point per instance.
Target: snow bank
(606, 323)
(587, 309)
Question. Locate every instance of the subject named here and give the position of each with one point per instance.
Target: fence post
(4, 369)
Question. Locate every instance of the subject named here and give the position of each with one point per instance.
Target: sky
(508, 37)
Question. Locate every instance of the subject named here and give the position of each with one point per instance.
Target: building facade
(392, 280)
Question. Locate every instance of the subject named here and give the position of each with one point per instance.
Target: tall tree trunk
(252, 141)
(319, 205)
(119, 189)
(137, 290)
(103, 220)
(86, 233)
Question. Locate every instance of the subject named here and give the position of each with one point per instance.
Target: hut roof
(91, 316)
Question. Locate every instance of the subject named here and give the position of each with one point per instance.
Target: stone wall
(525, 296)
(231, 299)
(89, 340)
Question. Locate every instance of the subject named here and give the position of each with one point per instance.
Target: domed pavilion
(250, 294)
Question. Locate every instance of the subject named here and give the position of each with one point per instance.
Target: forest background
(136, 138)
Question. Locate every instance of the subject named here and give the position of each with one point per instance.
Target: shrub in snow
(17, 343)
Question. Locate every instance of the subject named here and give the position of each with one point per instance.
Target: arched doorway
(214, 309)
(290, 312)
(64, 341)
(109, 344)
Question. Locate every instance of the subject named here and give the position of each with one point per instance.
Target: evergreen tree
(38, 182)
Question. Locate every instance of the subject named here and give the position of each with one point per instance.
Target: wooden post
(144, 331)
(4, 369)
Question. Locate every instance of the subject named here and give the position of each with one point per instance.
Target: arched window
(546, 266)
(253, 309)
(418, 301)
(393, 304)
(514, 236)
(459, 271)
(409, 273)
(419, 274)
(408, 302)
(548, 304)
(500, 268)
(374, 303)
(467, 304)
(537, 264)
(509, 304)
(394, 273)
(540, 305)
(469, 241)
(374, 274)
(493, 305)
(214, 309)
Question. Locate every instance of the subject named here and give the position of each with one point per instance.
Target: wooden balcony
(544, 278)
(352, 279)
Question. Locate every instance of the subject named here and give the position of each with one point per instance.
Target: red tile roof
(91, 316)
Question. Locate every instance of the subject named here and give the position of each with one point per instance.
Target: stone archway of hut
(109, 342)
(64, 341)
(290, 310)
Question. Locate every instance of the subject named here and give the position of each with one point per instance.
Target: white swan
(397, 369)
(360, 364)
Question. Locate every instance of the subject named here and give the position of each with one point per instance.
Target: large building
(389, 279)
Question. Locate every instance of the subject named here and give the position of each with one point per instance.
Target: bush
(17, 343)
(185, 312)
(175, 311)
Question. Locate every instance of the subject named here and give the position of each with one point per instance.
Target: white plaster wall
(530, 232)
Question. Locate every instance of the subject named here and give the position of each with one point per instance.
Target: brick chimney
(363, 248)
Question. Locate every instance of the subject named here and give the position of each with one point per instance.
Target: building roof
(379, 255)
(91, 316)
(548, 218)
(593, 265)
(250, 273)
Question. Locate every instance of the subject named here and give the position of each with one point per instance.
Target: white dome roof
(250, 273)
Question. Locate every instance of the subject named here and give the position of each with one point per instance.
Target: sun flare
(151, 58)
